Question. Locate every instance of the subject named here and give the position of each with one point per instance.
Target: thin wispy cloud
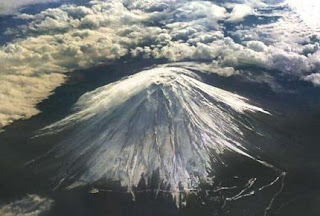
(13, 6)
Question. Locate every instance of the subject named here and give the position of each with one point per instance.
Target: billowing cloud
(314, 78)
(70, 37)
(240, 11)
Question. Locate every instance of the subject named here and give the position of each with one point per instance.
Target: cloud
(314, 78)
(35, 66)
(239, 12)
(210, 68)
(19, 94)
(308, 11)
(60, 40)
(31, 205)
(11, 7)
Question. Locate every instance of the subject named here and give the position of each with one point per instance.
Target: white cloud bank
(72, 37)
(308, 10)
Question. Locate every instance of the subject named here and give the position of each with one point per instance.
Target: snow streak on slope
(161, 121)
